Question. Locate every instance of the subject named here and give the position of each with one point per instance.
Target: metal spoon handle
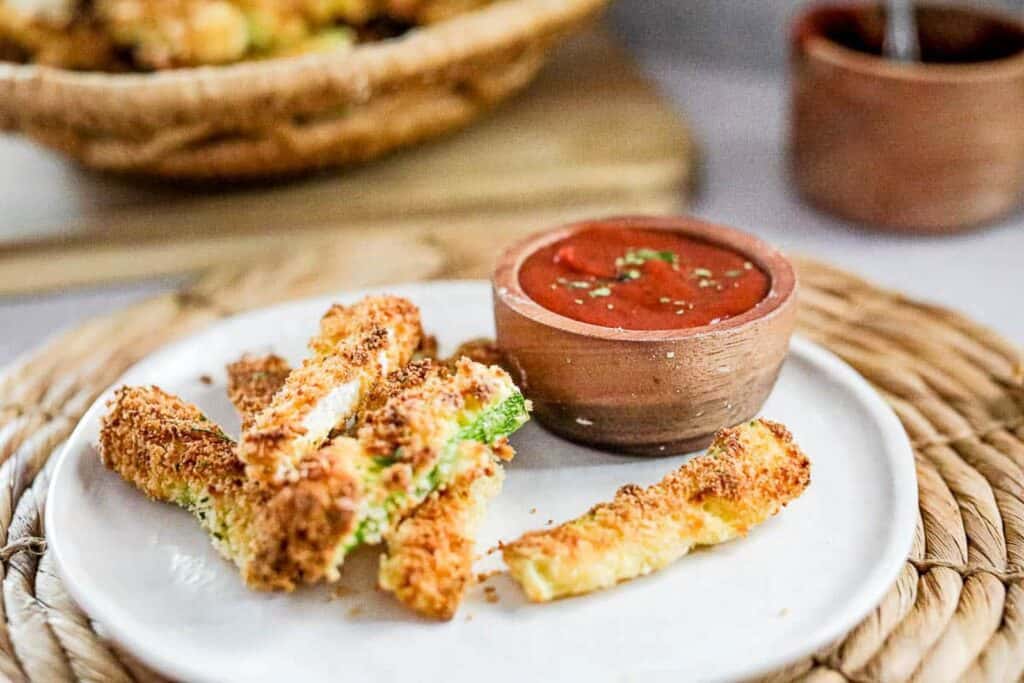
(901, 42)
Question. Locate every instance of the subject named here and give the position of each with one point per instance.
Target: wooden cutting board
(590, 137)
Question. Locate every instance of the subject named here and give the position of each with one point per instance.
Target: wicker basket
(290, 115)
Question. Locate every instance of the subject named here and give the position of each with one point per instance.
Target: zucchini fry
(748, 474)
(407, 429)
(430, 583)
(357, 347)
(429, 559)
(427, 427)
(278, 537)
(421, 431)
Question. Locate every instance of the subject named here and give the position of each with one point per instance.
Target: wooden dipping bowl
(645, 392)
(935, 146)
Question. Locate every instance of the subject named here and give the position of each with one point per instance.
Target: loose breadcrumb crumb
(482, 577)
(341, 591)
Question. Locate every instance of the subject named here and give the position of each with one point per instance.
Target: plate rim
(891, 559)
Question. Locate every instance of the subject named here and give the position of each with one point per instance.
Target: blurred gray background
(727, 33)
(723, 63)
(724, 33)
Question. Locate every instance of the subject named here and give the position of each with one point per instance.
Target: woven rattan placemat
(955, 612)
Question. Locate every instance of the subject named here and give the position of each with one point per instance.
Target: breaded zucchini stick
(163, 34)
(357, 347)
(421, 431)
(278, 537)
(417, 392)
(429, 559)
(427, 427)
(747, 475)
(252, 383)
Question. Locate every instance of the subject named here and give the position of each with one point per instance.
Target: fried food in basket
(50, 33)
(168, 33)
(430, 11)
(161, 34)
(749, 473)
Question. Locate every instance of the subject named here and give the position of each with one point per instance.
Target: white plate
(147, 573)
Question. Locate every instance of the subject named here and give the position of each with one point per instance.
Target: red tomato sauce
(642, 279)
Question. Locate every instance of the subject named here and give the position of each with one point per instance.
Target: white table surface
(722, 61)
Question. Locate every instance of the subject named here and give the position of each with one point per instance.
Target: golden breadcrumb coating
(423, 427)
(417, 430)
(747, 475)
(165, 33)
(348, 492)
(167, 447)
(278, 537)
(252, 383)
(414, 411)
(342, 322)
(429, 559)
(301, 525)
(357, 346)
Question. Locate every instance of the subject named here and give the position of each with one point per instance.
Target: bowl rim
(782, 275)
(807, 40)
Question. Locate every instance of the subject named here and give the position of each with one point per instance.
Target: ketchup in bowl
(639, 279)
